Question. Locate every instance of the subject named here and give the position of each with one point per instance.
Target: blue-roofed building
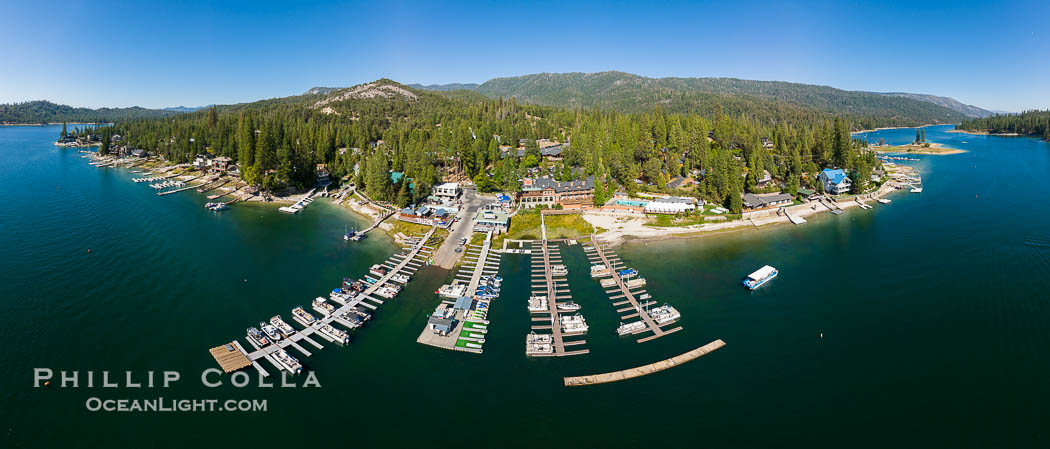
(395, 177)
(463, 303)
(835, 181)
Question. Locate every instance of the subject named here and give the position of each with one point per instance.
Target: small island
(919, 148)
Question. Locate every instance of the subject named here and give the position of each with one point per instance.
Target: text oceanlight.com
(175, 405)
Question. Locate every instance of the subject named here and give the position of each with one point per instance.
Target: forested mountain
(366, 131)
(48, 112)
(627, 92)
(445, 87)
(1036, 123)
(950, 103)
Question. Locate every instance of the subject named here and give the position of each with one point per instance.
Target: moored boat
(287, 361)
(282, 327)
(630, 328)
(257, 337)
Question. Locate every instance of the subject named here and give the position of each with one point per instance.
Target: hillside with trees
(1033, 123)
(41, 112)
(761, 100)
(365, 132)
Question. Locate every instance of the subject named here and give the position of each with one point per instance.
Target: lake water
(933, 309)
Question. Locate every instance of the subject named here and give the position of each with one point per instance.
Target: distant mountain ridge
(950, 103)
(47, 112)
(186, 108)
(445, 87)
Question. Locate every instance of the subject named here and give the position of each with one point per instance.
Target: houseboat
(341, 296)
(538, 303)
(664, 314)
(630, 272)
(599, 270)
(632, 283)
(287, 361)
(338, 335)
(379, 270)
(323, 307)
(452, 291)
(760, 277)
(351, 317)
(559, 270)
(538, 344)
(282, 326)
(400, 278)
(568, 305)
(573, 324)
(302, 316)
(630, 328)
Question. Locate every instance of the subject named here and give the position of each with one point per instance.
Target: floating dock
(231, 357)
(555, 288)
(626, 293)
(616, 376)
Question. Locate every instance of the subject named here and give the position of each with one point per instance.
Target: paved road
(446, 254)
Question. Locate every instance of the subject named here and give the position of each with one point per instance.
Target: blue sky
(156, 54)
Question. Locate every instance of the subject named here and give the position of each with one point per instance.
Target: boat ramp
(626, 291)
(406, 263)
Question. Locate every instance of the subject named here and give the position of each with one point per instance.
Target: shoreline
(935, 149)
(622, 229)
(900, 127)
(985, 133)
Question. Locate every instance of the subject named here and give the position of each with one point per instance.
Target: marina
(460, 321)
(273, 350)
(552, 333)
(625, 291)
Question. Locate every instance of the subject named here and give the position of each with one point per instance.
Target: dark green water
(933, 309)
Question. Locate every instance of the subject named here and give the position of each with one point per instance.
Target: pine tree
(918, 136)
(924, 135)
(64, 133)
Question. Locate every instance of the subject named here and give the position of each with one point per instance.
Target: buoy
(821, 335)
(89, 250)
(46, 383)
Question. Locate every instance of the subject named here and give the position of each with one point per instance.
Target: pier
(407, 263)
(651, 368)
(628, 292)
(470, 326)
(555, 288)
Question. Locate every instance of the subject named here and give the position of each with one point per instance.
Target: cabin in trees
(548, 192)
(221, 164)
(446, 190)
(679, 182)
(835, 181)
(550, 153)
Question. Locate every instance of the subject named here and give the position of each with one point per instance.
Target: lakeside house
(202, 162)
(323, 178)
(752, 201)
(221, 164)
(549, 153)
(835, 181)
(548, 192)
(765, 181)
(673, 205)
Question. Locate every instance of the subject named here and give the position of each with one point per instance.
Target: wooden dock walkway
(616, 376)
(627, 294)
(545, 283)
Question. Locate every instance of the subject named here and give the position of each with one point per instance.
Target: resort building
(835, 181)
(672, 205)
(548, 192)
(491, 219)
(755, 202)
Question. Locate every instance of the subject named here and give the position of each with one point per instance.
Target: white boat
(302, 316)
(388, 291)
(760, 277)
(271, 332)
(559, 270)
(538, 303)
(400, 278)
(341, 296)
(257, 338)
(287, 361)
(568, 305)
(916, 189)
(631, 283)
(282, 327)
(323, 307)
(599, 270)
(630, 328)
(573, 324)
(884, 201)
(538, 344)
(452, 291)
(335, 334)
(664, 314)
